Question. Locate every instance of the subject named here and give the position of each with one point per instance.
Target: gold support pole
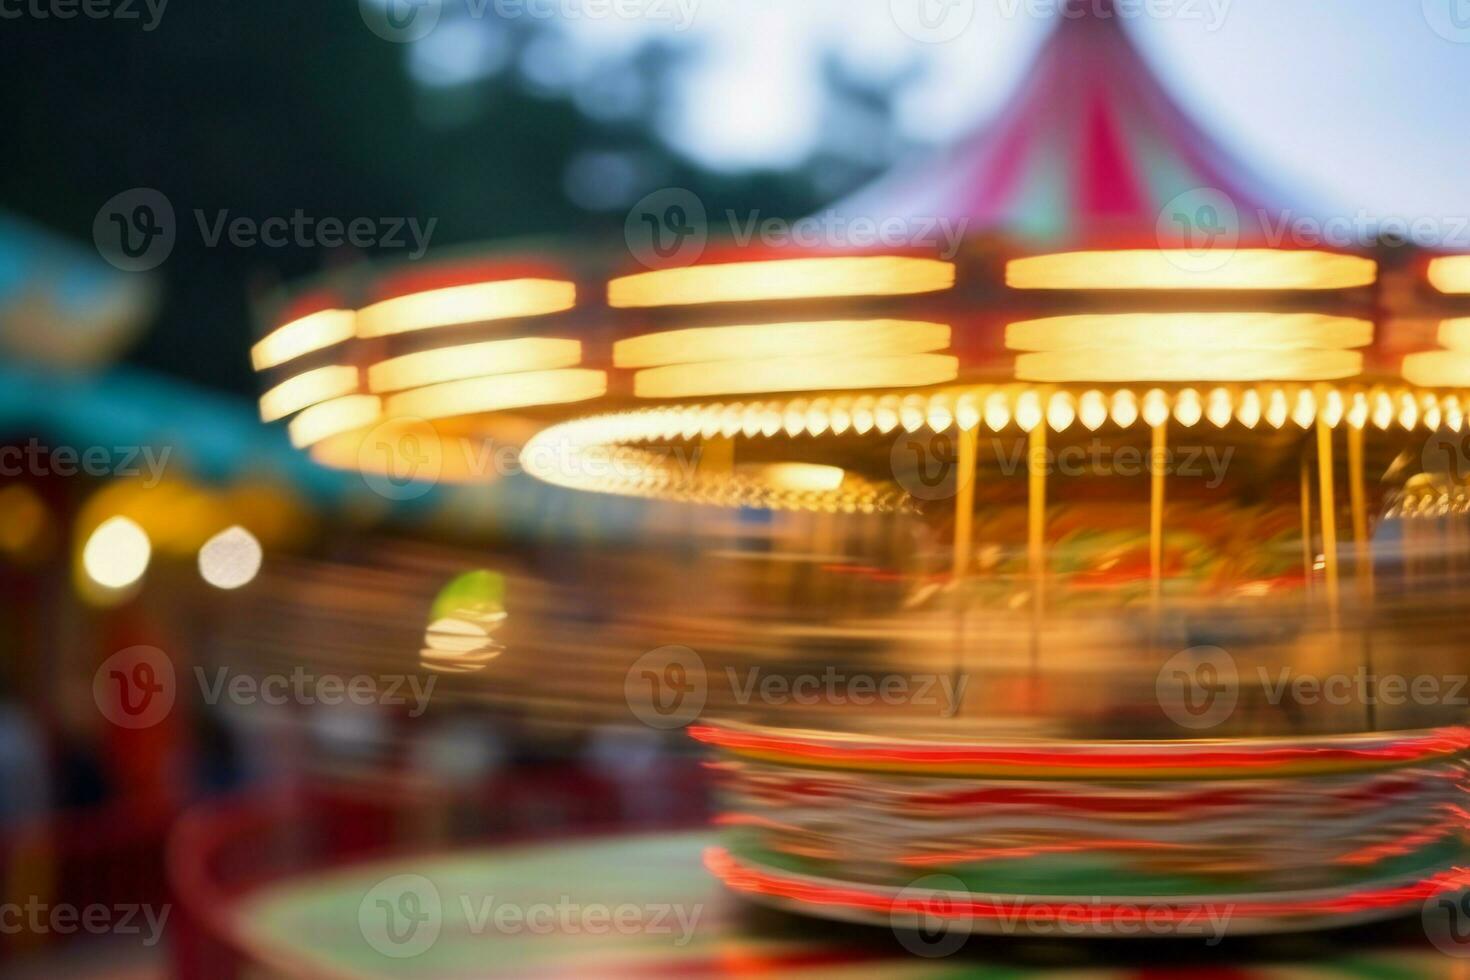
(1036, 536)
(1036, 513)
(1307, 551)
(1362, 559)
(964, 502)
(964, 543)
(1360, 510)
(1157, 457)
(1329, 518)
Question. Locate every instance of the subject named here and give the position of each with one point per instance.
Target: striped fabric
(1090, 149)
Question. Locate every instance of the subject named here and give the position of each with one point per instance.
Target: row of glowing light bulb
(517, 372)
(1437, 504)
(1025, 408)
(118, 552)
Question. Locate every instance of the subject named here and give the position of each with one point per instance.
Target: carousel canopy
(1090, 148)
(60, 304)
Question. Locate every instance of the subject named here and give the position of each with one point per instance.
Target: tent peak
(1091, 10)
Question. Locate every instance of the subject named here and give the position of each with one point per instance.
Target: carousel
(1170, 524)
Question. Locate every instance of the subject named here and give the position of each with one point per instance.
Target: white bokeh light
(117, 553)
(230, 559)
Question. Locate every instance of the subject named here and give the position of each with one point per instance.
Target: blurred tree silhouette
(273, 106)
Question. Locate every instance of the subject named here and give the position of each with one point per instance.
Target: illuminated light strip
(1201, 332)
(458, 363)
(1025, 852)
(1119, 365)
(610, 436)
(565, 455)
(852, 338)
(1247, 268)
(803, 477)
(332, 418)
(309, 333)
(794, 374)
(305, 390)
(744, 282)
(1374, 789)
(744, 876)
(838, 415)
(475, 303)
(492, 394)
(1455, 333)
(1450, 273)
(1090, 799)
(1145, 761)
(1438, 369)
(1409, 842)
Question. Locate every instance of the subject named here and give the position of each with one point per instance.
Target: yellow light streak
(1248, 268)
(330, 418)
(772, 340)
(1450, 273)
(493, 394)
(794, 374)
(744, 282)
(307, 389)
(475, 303)
(302, 336)
(1191, 331)
(473, 361)
(1170, 365)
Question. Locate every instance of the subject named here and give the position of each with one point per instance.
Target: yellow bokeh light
(473, 361)
(1455, 333)
(803, 477)
(794, 374)
(1247, 268)
(117, 553)
(1083, 364)
(744, 282)
(1438, 369)
(23, 519)
(307, 389)
(302, 336)
(495, 393)
(770, 340)
(1191, 331)
(1450, 273)
(333, 417)
(475, 303)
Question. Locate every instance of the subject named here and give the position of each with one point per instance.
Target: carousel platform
(645, 906)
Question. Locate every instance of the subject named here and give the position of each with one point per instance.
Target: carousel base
(681, 922)
(923, 906)
(1182, 838)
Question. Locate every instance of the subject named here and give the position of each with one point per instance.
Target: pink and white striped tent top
(1090, 149)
